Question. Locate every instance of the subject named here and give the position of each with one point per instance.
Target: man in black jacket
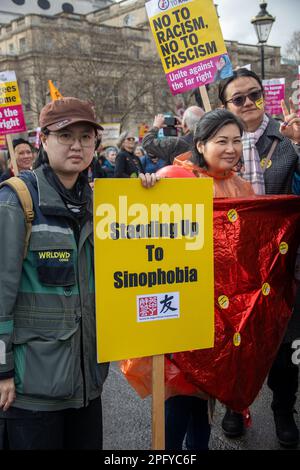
(170, 147)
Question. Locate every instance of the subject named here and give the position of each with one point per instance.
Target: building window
(26, 95)
(22, 44)
(112, 96)
(136, 52)
(44, 4)
(67, 8)
(11, 49)
(128, 20)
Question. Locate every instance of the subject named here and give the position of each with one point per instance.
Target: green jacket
(47, 303)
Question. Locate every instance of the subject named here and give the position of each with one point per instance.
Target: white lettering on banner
(9, 124)
(164, 221)
(296, 93)
(296, 354)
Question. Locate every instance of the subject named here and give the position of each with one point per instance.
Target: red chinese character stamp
(148, 307)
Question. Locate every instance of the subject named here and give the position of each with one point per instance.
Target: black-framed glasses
(131, 139)
(240, 100)
(67, 138)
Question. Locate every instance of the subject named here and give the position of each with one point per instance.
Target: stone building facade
(106, 55)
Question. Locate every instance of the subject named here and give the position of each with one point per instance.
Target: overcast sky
(235, 17)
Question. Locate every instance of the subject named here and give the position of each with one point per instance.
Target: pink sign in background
(197, 74)
(274, 93)
(12, 120)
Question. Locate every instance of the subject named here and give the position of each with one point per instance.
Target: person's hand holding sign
(148, 180)
(291, 126)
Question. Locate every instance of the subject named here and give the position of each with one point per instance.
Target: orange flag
(54, 93)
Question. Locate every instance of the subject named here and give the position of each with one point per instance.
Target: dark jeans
(67, 429)
(283, 379)
(186, 415)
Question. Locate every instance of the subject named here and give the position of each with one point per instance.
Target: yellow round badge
(262, 163)
(266, 288)
(223, 301)
(283, 248)
(232, 215)
(259, 103)
(237, 339)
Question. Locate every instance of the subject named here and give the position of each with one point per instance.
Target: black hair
(42, 156)
(208, 126)
(242, 72)
(19, 142)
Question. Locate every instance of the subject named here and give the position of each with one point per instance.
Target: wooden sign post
(12, 154)
(205, 98)
(158, 402)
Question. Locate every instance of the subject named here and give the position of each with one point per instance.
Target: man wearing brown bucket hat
(50, 382)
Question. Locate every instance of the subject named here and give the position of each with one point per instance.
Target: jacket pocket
(46, 368)
(55, 267)
(53, 256)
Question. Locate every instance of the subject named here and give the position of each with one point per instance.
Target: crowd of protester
(60, 187)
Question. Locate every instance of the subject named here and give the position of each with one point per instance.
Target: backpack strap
(23, 193)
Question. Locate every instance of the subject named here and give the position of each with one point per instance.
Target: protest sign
(54, 93)
(189, 42)
(274, 91)
(110, 133)
(143, 129)
(11, 112)
(2, 142)
(153, 267)
(34, 137)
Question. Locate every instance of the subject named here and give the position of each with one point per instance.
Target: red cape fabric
(255, 241)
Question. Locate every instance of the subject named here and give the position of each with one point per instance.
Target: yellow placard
(9, 94)
(186, 32)
(153, 267)
(11, 113)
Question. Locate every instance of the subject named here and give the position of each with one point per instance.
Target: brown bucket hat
(61, 113)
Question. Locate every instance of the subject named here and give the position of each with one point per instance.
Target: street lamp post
(263, 22)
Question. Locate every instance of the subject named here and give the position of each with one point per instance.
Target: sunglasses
(241, 100)
(131, 139)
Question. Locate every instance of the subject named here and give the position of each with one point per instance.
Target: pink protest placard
(198, 74)
(11, 112)
(274, 90)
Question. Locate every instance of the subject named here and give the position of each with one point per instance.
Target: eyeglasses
(241, 99)
(131, 139)
(67, 138)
